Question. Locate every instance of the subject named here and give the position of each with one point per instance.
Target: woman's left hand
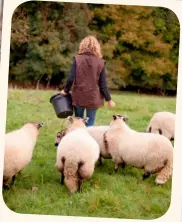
(111, 104)
(63, 93)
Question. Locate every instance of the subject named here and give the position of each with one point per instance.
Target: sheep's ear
(63, 132)
(70, 118)
(58, 133)
(85, 120)
(41, 124)
(114, 117)
(25, 123)
(125, 118)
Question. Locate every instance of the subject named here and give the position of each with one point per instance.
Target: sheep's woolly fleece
(19, 147)
(163, 123)
(97, 132)
(150, 151)
(77, 154)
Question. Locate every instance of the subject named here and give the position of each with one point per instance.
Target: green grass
(123, 195)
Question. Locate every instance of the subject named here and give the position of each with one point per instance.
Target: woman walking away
(89, 80)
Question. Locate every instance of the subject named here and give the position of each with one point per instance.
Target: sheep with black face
(150, 151)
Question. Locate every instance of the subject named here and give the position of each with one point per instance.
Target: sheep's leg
(80, 182)
(164, 172)
(86, 170)
(5, 183)
(62, 178)
(118, 161)
(20, 172)
(80, 178)
(116, 167)
(146, 175)
(13, 180)
(80, 186)
(153, 167)
(14, 177)
(70, 193)
(100, 161)
(6, 186)
(61, 169)
(123, 164)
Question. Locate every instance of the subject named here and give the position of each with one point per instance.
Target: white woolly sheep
(150, 151)
(77, 154)
(97, 132)
(163, 123)
(19, 147)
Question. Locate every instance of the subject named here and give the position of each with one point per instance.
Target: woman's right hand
(63, 93)
(111, 104)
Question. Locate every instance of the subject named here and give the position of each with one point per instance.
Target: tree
(140, 44)
(135, 47)
(47, 34)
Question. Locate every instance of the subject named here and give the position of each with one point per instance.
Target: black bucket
(62, 105)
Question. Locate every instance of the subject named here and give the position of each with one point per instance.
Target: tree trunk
(38, 82)
(48, 83)
(37, 85)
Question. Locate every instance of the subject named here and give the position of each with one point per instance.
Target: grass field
(124, 195)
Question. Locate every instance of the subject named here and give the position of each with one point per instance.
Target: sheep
(19, 147)
(163, 123)
(97, 132)
(150, 151)
(77, 154)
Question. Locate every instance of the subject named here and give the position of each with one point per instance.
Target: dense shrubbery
(140, 44)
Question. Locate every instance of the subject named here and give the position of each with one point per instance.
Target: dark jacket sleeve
(103, 85)
(71, 77)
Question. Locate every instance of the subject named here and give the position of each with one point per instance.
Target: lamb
(19, 147)
(163, 123)
(153, 152)
(77, 154)
(97, 132)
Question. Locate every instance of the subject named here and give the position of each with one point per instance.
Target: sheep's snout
(56, 144)
(35, 124)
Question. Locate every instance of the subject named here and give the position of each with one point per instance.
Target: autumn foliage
(139, 44)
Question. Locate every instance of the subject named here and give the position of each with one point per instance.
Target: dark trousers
(91, 113)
